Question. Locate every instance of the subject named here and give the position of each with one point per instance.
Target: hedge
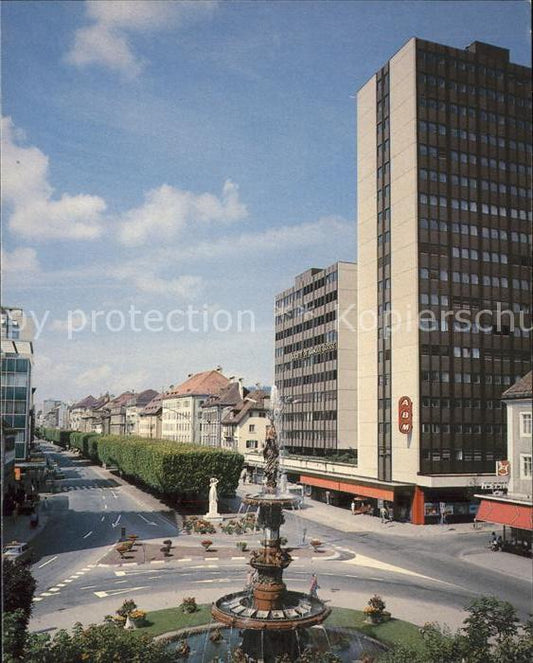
(168, 467)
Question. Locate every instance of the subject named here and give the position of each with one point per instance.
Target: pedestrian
(243, 476)
(34, 519)
(15, 512)
(45, 504)
(493, 538)
(304, 532)
(383, 514)
(314, 586)
(353, 507)
(327, 496)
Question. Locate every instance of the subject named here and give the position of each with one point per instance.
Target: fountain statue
(213, 513)
(272, 617)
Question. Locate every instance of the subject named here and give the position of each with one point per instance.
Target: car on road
(18, 552)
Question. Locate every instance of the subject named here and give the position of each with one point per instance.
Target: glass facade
(15, 400)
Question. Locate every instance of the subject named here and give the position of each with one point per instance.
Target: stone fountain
(272, 618)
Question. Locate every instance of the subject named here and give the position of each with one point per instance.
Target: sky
(168, 167)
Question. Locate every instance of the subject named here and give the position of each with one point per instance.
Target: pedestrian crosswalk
(90, 485)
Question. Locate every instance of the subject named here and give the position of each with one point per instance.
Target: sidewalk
(343, 520)
(503, 562)
(20, 530)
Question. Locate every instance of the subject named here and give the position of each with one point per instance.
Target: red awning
(506, 513)
(352, 488)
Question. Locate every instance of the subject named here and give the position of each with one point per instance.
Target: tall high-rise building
(444, 246)
(315, 360)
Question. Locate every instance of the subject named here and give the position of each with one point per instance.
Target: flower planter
(373, 618)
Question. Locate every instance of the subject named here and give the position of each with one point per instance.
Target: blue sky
(166, 155)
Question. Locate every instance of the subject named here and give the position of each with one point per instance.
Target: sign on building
(405, 415)
(503, 468)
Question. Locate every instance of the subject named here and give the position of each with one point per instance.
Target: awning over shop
(352, 488)
(511, 514)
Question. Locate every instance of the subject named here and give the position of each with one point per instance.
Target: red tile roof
(154, 406)
(88, 401)
(254, 401)
(200, 384)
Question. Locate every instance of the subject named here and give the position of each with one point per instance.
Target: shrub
(375, 606)
(315, 543)
(242, 545)
(127, 608)
(188, 604)
(207, 543)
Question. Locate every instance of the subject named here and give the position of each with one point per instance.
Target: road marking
(150, 522)
(212, 580)
(370, 562)
(36, 598)
(105, 506)
(60, 584)
(117, 520)
(158, 561)
(102, 518)
(68, 580)
(89, 587)
(120, 573)
(54, 589)
(88, 534)
(86, 568)
(212, 559)
(91, 566)
(119, 582)
(237, 558)
(186, 559)
(46, 594)
(103, 595)
(48, 562)
(205, 566)
(114, 495)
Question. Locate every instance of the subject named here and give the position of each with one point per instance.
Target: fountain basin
(299, 611)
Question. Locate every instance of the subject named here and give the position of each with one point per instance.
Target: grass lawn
(392, 632)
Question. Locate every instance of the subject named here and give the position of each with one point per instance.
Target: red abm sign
(405, 415)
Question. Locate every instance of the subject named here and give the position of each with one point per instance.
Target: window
(251, 428)
(251, 444)
(525, 466)
(526, 424)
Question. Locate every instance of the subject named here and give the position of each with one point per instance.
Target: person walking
(353, 507)
(314, 586)
(383, 514)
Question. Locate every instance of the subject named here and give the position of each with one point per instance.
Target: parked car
(19, 552)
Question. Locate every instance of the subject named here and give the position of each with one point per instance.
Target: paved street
(422, 575)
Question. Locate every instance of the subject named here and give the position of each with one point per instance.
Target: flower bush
(188, 604)
(315, 543)
(194, 525)
(127, 608)
(241, 545)
(376, 606)
(206, 544)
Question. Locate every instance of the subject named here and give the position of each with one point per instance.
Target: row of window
(474, 137)
(471, 353)
(475, 160)
(328, 337)
(474, 113)
(474, 231)
(304, 309)
(464, 88)
(431, 324)
(303, 326)
(474, 279)
(298, 294)
(325, 376)
(311, 397)
(476, 429)
(308, 417)
(466, 378)
(467, 403)
(456, 64)
(437, 455)
(471, 182)
(306, 362)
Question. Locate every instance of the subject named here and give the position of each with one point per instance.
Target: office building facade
(315, 360)
(444, 246)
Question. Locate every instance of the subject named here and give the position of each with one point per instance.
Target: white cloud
(105, 41)
(21, 260)
(28, 192)
(99, 375)
(146, 281)
(167, 210)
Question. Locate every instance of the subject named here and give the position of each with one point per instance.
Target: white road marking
(205, 566)
(68, 580)
(46, 594)
(91, 566)
(117, 520)
(105, 506)
(36, 598)
(114, 495)
(240, 558)
(150, 522)
(54, 589)
(199, 582)
(89, 587)
(88, 534)
(119, 582)
(103, 595)
(120, 573)
(186, 559)
(86, 568)
(102, 518)
(212, 559)
(60, 584)
(48, 562)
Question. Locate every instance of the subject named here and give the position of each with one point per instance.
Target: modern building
(515, 509)
(54, 414)
(444, 246)
(134, 406)
(214, 410)
(16, 406)
(150, 418)
(182, 405)
(316, 360)
(244, 425)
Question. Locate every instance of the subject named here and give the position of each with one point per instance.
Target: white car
(20, 552)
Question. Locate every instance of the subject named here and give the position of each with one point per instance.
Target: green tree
(19, 587)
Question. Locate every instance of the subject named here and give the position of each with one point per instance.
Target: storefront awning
(351, 488)
(506, 513)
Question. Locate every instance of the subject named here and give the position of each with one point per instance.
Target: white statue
(213, 501)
